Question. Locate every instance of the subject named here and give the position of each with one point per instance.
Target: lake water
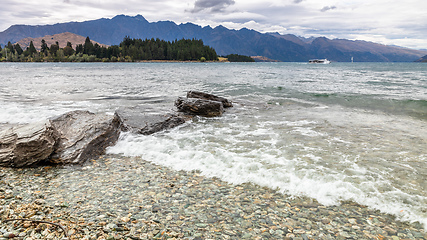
(333, 132)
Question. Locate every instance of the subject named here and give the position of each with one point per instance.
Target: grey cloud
(212, 5)
(327, 8)
(298, 1)
(31, 14)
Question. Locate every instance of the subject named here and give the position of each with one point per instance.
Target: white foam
(246, 153)
(20, 113)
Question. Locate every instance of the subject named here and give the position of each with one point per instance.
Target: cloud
(327, 8)
(353, 19)
(213, 5)
(30, 14)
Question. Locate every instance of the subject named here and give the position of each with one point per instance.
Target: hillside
(61, 38)
(423, 59)
(224, 41)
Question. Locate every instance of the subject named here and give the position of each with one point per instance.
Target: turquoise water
(331, 132)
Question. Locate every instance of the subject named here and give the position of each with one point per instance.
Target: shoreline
(115, 197)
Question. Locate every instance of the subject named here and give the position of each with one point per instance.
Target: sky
(391, 22)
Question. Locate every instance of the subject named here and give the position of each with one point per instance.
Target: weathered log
(147, 123)
(206, 96)
(83, 135)
(27, 145)
(201, 107)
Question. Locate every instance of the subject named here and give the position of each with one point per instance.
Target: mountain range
(423, 59)
(288, 48)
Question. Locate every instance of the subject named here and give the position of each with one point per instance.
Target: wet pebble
(127, 198)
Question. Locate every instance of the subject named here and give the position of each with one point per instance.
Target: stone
(326, 221)
(200, 107)
(137, 121)
(27, 145)
(390, 230)
(206, 96)
(83, 135)
(125, 219)
(9, 235)
(39, 201)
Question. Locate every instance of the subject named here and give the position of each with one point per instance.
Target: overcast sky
(392, 22)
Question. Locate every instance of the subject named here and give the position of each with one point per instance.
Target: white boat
(320, 61)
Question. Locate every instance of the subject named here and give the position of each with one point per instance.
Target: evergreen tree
(88, 47)
(44, 48)
(31, 49)
(18, 49)
(239, 58)
(79, 48)
(9, 46)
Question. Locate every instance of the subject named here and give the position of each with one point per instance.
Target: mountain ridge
(225, 41)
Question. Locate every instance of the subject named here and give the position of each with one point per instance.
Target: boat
(320, 61)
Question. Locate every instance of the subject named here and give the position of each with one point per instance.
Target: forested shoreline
(129, 50)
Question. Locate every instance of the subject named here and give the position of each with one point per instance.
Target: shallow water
(331, 132)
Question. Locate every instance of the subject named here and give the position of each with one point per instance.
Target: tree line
(128, 50)
(239, 58)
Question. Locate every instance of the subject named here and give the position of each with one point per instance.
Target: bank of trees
(239, 58)
(129, 50)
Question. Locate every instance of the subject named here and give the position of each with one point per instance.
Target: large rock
(147, 123)
(83, 135)
(206, 96)
(200, 107)
(27, 145)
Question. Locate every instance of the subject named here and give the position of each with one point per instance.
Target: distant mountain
(423, 59)
(61, 38)
(224, 41)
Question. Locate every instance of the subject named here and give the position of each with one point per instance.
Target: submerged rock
(84, 135)
(202, 104)
(147, 123)
(207, 96)
(27, 145)
(200, 107)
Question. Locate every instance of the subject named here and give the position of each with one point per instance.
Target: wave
(416, 108)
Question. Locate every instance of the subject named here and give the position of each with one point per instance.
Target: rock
(390, 230)
(147, 123)
(39, 201)
(206, 96)
(9, 235)
(83, 135)
(201, 107)
(27, 145)
(125, 219)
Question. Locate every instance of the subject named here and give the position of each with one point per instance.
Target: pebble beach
(115, 197)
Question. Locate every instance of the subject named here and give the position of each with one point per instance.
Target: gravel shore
(116, 197)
